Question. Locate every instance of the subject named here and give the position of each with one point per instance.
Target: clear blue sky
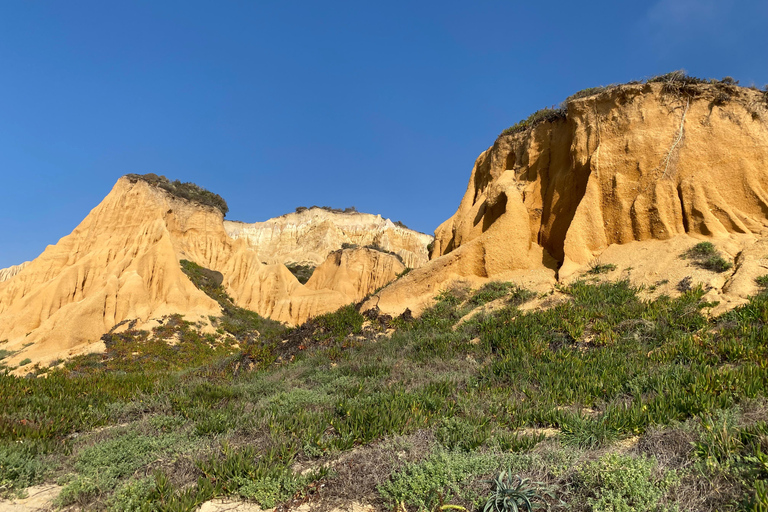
(274, 105)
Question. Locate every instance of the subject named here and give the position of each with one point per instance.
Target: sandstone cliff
(122, 263)
(7, 273)
(356, 273)
(635, 174)
(309, 236)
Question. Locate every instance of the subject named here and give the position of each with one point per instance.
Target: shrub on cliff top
(676, 82)
(189, 191)
(538, 117)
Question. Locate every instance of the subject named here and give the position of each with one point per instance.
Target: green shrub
(595, 267)
(133, 496)
(213, 422)
(586, 432)
(165, 423)
(21, 465)
(101, 467)
(25, 362)
(545, 115)
(720, 440)
(463, 434)
(702, 249)
(585, 93)
(762, 281)
(622, 483)
(758, 502)
(443, 476)
(497, 289)
(188, 191)
(516, 442)
(342, 322)
(263, 477)
(706, 256)
(716, 264)
(163, 495)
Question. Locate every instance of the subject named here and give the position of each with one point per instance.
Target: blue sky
(273, 105)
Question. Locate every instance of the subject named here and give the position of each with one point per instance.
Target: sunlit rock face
(122, 263)
(309, 236)
(637, 173)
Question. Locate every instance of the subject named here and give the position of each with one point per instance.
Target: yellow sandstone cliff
(633, 175)
(122, 263)
(310, 235)
(7, 273)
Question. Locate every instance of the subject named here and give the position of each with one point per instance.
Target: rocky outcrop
(122, 263)
(307, 237)
(356, 273)
(641, 163)
(7, 273)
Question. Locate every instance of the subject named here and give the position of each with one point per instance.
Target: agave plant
(515, 494)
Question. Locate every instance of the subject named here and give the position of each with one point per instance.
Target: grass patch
(586, 93)
(622, 482)
(596, 268)
(99, 468)
(545, 115)
(496, 290)
(600, 367)
(444, 476)
(21, 465)
(706, 256)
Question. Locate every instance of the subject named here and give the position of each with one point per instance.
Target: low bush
(21, 465)
(100, 467)
(596, 267)
(545, 115)
(496, 290)
(350, 209)
(263, 477)
(623, 483)
(586, 93)
(463, 434)
(189, 191)
(444, 476)
(706, 256)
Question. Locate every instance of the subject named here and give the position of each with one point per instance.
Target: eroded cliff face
(634, 164)
(122, 263)
(308, 237)
(7, 273)
(356, 272)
